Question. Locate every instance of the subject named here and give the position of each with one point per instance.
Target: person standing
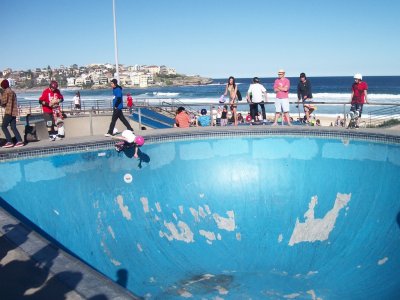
(304, 94)
(50, 97)
(77, 101)
(231, 88)
(224, 116)
(255, 96)
(281, 88)
(358, 96)
(118, 104)
(9, 102)
(129, 102)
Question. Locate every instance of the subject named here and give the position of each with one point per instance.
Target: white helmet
(358, 76)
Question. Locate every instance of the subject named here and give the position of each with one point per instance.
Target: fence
(372, 117)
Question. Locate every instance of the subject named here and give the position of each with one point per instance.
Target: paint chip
(183, 234)
(123, 208)
(238, 236)
(383, 261)
(318, 229)
(115, 262)
(225, 223)
(158, 207)
(195, 214)
(280, 238)
(111, 231)
(209, 235)
(145, 204)
(292, 296)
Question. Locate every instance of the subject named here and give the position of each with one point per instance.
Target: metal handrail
(379, 116)
(170, 105)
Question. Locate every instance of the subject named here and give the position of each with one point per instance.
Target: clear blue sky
(215, 38)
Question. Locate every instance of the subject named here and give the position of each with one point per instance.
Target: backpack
(239, 95)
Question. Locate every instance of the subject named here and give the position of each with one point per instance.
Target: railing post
(211, 115)
(91, 122)
(140, 118)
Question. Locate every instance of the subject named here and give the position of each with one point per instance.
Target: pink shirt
(282, 82)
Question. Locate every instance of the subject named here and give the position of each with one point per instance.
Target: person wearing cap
(358, 96)
(304, 94)
(50, 97)
(9, 102)
(204, 119)
(182, 119)
(118, 105)
(281, 88)
(256, 95)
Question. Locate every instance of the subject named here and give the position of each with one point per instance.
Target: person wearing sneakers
(118, 105)
(304, 94)
(281, 88)
(51, 97)
(128, 140)
(358, 96)
(258, 96)
(9, 102)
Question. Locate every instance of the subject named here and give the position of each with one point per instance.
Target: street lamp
(115, 44)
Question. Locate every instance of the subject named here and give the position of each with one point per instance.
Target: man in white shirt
(257, 95)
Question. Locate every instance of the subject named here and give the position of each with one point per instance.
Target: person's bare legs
(286, 114)
(276, 119)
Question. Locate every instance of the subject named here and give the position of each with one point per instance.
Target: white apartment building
(152, 69)
(79, 81)
(71, 81)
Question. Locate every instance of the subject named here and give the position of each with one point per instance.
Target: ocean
(383, 90)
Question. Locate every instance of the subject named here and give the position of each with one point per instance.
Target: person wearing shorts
(305, 95)
(358, 96)
(281, 88)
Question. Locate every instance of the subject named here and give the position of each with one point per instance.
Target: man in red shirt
(358, 96)
(49, 97)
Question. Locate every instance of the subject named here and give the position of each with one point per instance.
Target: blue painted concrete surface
(235, 218)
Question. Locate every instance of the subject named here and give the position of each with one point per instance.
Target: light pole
(115, 44)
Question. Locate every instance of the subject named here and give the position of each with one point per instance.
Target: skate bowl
(246, 214)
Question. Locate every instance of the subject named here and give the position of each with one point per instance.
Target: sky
(211, 38)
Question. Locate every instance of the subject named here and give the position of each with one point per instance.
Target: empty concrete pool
(214, 216)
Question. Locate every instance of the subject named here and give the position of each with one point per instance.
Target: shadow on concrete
(29, 279)
(19, 234)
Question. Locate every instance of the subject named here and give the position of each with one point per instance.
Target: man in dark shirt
(304, 94)
(117, 109)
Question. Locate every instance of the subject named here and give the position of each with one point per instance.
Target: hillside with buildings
(98, 76)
